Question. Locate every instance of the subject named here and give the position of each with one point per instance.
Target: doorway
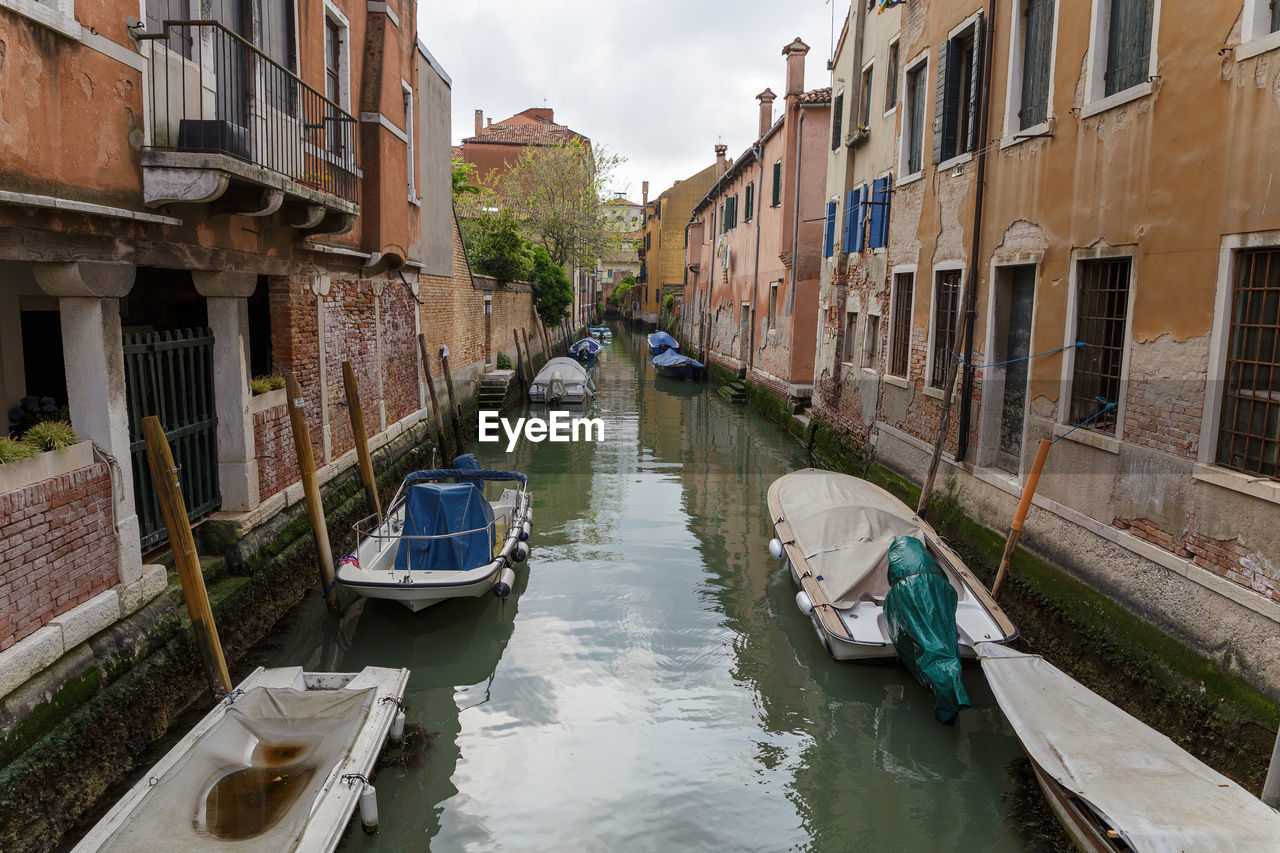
(1005, 392)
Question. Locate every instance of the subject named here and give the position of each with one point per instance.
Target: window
(1033, 32)
(777, 184)
(335, 83)
(881, 195)
(871, 341)
(850, 336)
(914, 119)
(837, 118)
(946, 323)
(891, 79)
(1128, 44)
(1102, 305)
(955, 111)
(773, 306)
(410, 166)
(829, 235)
(729, 213)
(750, 200)
(900, 324)
(864, 97)
(1249, 436)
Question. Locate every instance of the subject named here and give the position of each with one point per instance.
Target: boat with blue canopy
(442, 537)
(601, 332)
(660, 342)
(586, 349)
(677, 366)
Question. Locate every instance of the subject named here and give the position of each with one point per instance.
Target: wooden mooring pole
(164, 475)
(453, 400)
(361, 438)
(522, 359)
(525, 335)
(1271, 788)
(435, 403)
(944, 424)
(311, 490)
(1020, 517)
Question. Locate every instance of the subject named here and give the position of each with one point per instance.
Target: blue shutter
(851, 201)
(860, 217)
(880, 195)
(828, 240)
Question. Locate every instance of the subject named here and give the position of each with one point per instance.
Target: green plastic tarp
(920, 610)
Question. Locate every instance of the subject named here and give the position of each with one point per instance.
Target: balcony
(234, 129)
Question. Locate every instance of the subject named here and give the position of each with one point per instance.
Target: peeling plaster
(1022, 237)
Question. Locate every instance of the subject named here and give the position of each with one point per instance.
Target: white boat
(834, 532)
(442, 540)
(1113, 782)
(600, 332)
(280, 764)
(562, 380)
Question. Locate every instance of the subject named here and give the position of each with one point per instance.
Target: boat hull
(687, 372)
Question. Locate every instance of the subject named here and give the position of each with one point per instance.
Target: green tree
(558, 193)
(552, 290)
(497, 249)
(621, 289)
(464, 175)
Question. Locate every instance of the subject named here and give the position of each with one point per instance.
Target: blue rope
(1106, 407)
(231, 697)
(1077, 344)
(332, 584)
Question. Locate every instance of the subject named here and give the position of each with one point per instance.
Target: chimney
(488, 123)
(479, 122)
(721, 165)
(794, 53)
(644, 193)
(766, 99)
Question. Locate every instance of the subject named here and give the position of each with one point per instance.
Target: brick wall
(273, 448)
(1226, 558)
(398, 343)
(59, 542)
(350, 334)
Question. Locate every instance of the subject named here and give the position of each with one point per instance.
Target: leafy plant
(50, 435)
(464, 175)
(12, 451)
(504, 361)
(620, 291)
(552, 290)
(33, 410)
(266, 383)
(668, 302)
(497, 249)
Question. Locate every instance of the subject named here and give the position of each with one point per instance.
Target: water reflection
(652, 686)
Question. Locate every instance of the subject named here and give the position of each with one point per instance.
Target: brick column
(93, 350)
(226, 296)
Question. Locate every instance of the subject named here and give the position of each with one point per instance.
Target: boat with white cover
(443, 538)
(562, 380)
(279, 764)
(834, 533)
(1114, 782)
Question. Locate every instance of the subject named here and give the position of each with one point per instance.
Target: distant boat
(601, 332)
(834, 531)
(676, 366)
(660, 342)
(1113, 782)
(562, 380)
(441, 540)
(585, 350)
(279, 764)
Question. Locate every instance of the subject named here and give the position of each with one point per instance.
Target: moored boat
(660, 342)
(676, 366)
(834, 532)
(279, 764)
(1113, 782)
(442, 540)
(585, 350)
(601, 332)
(562, 380)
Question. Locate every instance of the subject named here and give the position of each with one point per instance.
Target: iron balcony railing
(214, 92)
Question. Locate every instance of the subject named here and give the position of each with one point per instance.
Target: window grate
(900, 348)
(946, 322)
(1249, 438)
(1103, 305)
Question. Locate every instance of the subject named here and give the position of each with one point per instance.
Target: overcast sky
(658, 82)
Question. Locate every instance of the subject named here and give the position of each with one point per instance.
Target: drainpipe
(971, 297)
(758, 150)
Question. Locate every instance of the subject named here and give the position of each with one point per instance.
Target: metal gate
(170, 375)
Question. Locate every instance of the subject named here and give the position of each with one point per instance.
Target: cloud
(659, 83)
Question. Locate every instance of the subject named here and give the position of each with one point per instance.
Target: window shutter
(851, 201)
(975, 86)
(828, 239)
(777, 183)
(1036, 52)
(837, 118)
(860, 217)
(751, 202)
(880, 195)
(939, 103)
(1128, 44)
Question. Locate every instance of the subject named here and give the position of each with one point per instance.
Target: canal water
(651, 684)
